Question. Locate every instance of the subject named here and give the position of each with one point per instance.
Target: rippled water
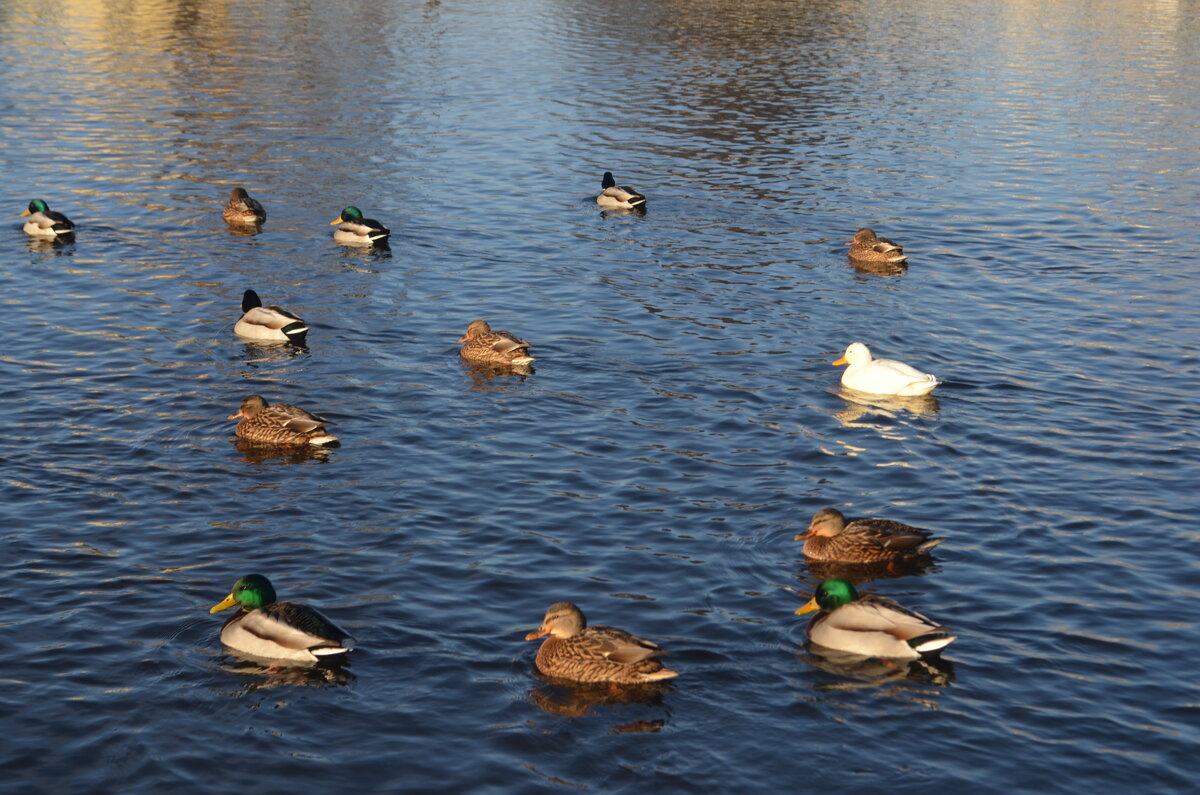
(1038, 161)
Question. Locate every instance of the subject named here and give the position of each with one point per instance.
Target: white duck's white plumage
(882, 376)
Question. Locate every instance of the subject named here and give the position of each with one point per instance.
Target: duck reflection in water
(862, 573)
(872, 672)
(253, 453)
(323, 674)
(863, 404)
(488, 377)
(639, 211)
(573, 700)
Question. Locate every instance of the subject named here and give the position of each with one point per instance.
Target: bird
(269, 323)
(867, 540)
(242, 210)
(482, 345)
(279, 424)
(275, 630)
(882, 376)
(870, 624)
(44, 222)
(866, 247)
(581, 653)
(613, 195)
(353, 229)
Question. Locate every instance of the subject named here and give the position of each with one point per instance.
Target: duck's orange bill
(842, 361)
(802, 536)
(464, 338)
(337, 220)
(809, 607)
(26, 213)
(235, 416)
(225, 604)
(540, 632)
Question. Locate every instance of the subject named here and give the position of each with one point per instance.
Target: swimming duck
(882, 376)
(613, 195)
(272, 323)
(241, 210)
(869, 624)
(276, 630)
(831, 537)
(866, 247)
(44, 222)
(353, 229)
(482, 345)
(581, 653)
(279, 424)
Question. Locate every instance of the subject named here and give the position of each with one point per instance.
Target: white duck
(882, 376)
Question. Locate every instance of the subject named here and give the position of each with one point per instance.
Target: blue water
(682, 421)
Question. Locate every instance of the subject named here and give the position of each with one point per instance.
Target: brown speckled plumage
(831, 537)
(866, 247)
(280, 424)
(482, 344)
(241, 210)
(581, 653)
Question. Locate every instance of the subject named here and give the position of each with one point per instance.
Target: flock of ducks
(862, 624)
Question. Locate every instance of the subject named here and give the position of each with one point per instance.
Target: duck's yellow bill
(337, 220)
(841, 361)
(809, 607)
(26, 213)
(227, 603)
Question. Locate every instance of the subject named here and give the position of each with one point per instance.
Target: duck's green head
(251, 592)
(37, 206)
(830, 595)
(348, 214)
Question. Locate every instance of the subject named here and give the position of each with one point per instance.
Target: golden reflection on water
(574, 700)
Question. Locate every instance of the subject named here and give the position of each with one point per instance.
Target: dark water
(1038, 161)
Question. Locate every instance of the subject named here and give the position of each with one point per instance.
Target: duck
(279, 424)
(869, 624)
(353, 229)
(242, 210)
(269, 323)
(866, 540)
(275, 630)
(580, 653)
(866, 247)
(882, 376)
(44, 222)
(484, 346)
(622, 196)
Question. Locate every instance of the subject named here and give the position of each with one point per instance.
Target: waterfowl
(866, 247)
(242, 210)
(882, 376)
(279, 424)
(831, 537)
(869, 624)
(272, 323)
(353, 229)
(483, 345)
(276, 630)
(44, 222)
(613, 195)
(581, 653)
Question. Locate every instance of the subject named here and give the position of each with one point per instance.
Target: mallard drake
(869, 624)
(866, 247)
(279, 424)
(831, 537)
(272, 323)
(581, 653)
(882, 376)
(482, 345)
(276, 630)
(241, 210)
(613, 195)
(353, 229)
(44, 222)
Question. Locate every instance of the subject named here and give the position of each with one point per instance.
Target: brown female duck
(831, 537)
(241, 210)
(866, 247)
(483, 345)
(581, 653)
(279, 424)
